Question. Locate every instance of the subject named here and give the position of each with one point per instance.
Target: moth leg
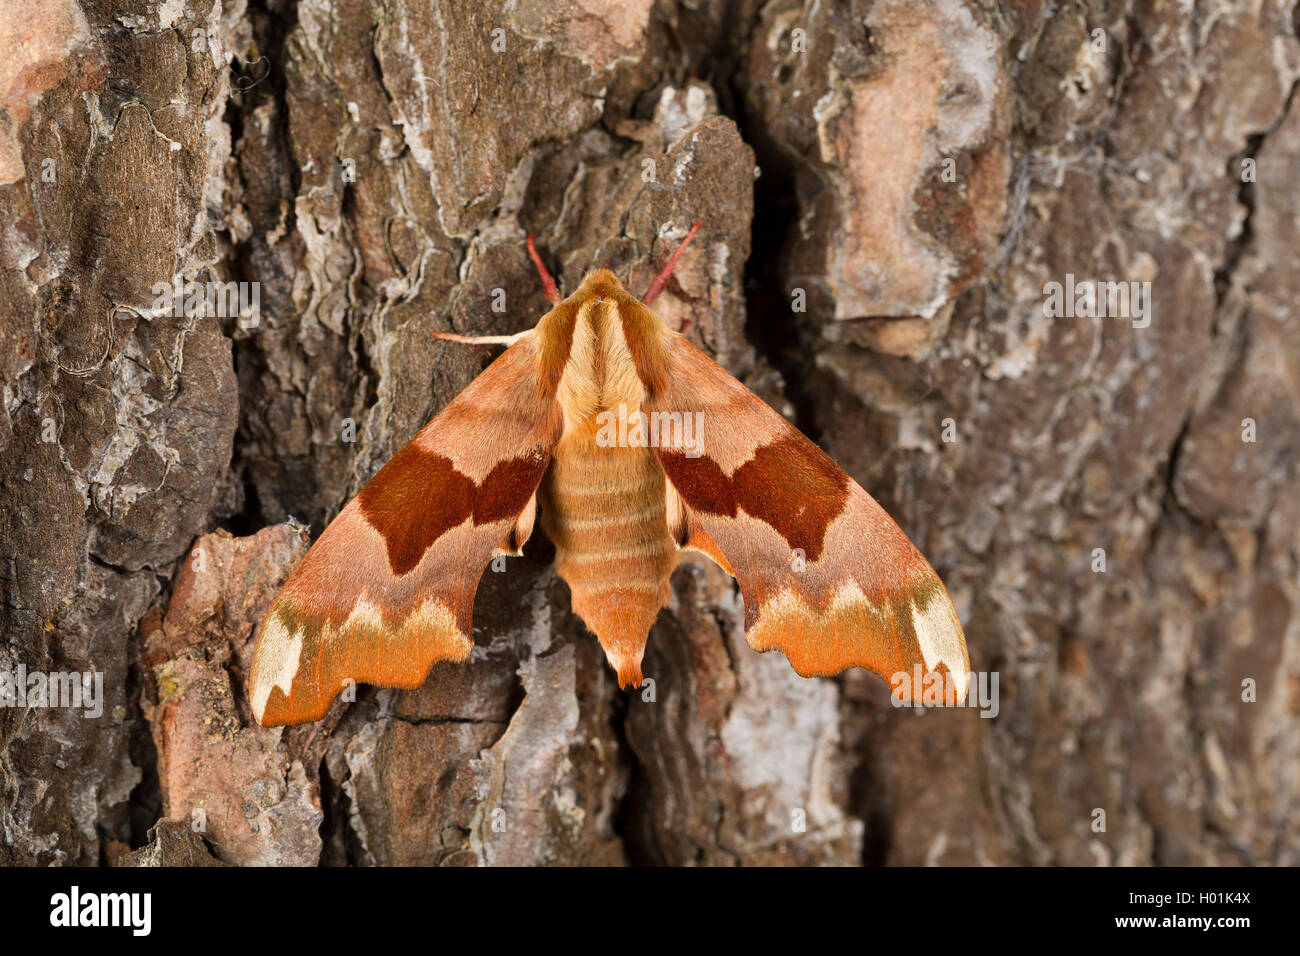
(481, 339)
(548, 283)
(661, 280)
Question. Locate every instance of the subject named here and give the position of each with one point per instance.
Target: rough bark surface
(886, 188)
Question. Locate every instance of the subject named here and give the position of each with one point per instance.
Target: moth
(388, 589)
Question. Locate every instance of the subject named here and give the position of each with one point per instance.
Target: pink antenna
(548, 284)
(661, 280)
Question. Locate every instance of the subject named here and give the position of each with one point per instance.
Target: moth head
(601, 284)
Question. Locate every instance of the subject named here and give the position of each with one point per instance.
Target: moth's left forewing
(827, 577)
(388, 588)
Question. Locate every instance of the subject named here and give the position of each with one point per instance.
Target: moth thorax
(600, 375)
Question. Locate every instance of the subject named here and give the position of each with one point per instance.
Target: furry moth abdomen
(388, 589)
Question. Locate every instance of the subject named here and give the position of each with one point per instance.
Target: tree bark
(888, 188)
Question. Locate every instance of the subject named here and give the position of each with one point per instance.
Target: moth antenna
(661, 280)
(548, 283)
(480, 339)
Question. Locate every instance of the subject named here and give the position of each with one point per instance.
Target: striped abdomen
(604, 509)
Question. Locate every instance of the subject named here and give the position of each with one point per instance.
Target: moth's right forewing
(827, 577)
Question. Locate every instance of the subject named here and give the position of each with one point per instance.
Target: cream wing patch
(278, 656)
(938, 632)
